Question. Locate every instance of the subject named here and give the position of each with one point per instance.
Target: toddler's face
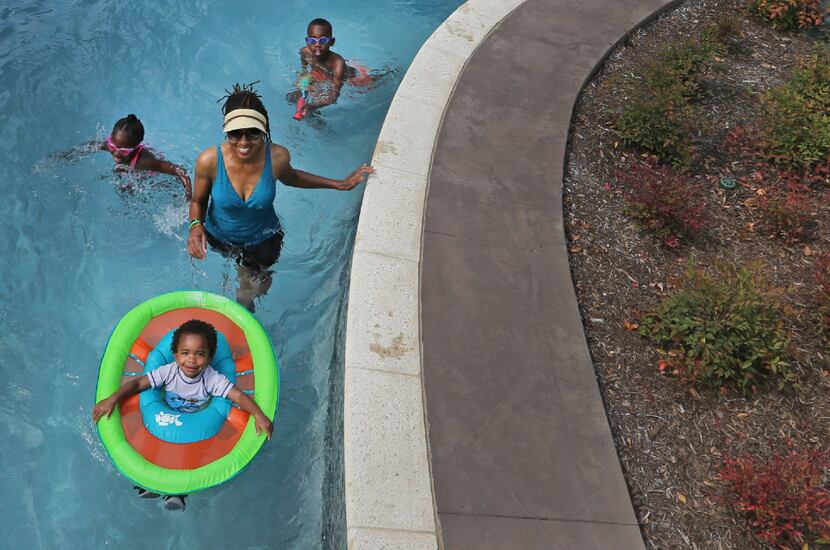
(192, 355)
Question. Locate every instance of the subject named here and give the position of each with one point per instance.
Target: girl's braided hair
(243, 96)
(131, 126)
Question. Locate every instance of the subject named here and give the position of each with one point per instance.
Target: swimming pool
(77, 251)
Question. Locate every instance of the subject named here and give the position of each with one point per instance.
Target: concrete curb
(388, 487)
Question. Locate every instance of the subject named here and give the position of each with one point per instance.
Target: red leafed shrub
(663, 200)
(822, 275)
(785, 498)
(788, 210)
(790, 14)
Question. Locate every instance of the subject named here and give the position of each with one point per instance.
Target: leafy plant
(785, 498)
(726, 32)
(790, 14)
(822, 276)
(787, 211)
(722, 329)
(657, 116)
(797, 117)
(663, 199)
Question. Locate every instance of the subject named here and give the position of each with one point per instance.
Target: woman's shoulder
(207, 157)
(279, 153)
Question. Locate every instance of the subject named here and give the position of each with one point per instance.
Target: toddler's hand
(263, 425)
(104, 407)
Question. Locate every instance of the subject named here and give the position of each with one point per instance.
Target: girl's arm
(281, 160)
(205, 173)
(165, 167)
(262, 423)
(80, 151)
(106, 406)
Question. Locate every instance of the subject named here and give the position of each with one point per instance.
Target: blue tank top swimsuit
(238, 222)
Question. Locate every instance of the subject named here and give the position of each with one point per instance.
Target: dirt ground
(672, 439)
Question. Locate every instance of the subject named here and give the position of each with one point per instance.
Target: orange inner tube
(186, 456)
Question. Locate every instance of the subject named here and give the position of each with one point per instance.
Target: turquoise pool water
(80, 246)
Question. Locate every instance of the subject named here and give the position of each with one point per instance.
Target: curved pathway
(519, 452)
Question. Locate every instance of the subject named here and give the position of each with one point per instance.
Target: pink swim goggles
(123, 151)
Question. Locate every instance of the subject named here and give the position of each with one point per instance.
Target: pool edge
(389, 492)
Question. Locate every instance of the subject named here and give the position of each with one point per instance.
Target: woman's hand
(263, 425)
(197, 242)
(103, 407)
(355, 178)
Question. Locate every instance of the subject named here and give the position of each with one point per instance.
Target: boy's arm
(262, 423)
(165, 167)
(106, 406)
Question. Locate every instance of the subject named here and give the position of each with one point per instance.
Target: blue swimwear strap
(137, 360)
(129, 373)
(245, 372)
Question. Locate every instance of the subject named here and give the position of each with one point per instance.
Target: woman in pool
(235, 184)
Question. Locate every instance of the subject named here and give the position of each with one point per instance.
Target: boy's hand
(355, 178)
(263, 425)
(103, 407)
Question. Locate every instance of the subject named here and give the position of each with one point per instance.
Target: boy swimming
(323, 65)
(189, 383)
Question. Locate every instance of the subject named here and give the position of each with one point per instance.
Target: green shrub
(659, 126)
(797, 117)
(790, 14)
(658, 117)
(722, 329)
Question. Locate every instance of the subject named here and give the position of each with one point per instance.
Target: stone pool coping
(388, 487)
(389, 493)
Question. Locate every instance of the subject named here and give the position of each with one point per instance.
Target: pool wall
(388, 487)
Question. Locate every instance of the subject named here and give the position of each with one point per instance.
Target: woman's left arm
(287, 174)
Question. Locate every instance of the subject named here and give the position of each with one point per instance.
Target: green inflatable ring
(128, 460)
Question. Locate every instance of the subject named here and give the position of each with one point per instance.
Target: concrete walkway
(521, 452)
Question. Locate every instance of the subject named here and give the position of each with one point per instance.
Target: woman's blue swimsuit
(247, 230)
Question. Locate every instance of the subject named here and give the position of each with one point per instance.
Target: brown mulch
(672, 439)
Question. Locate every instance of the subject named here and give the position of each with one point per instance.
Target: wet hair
(131, 126)
(321, 22)
(243, 96)
(199, 328)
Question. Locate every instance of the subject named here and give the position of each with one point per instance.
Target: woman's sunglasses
(123, 151)
(323, 40)
(250, 133)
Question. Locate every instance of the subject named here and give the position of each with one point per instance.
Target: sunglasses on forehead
(323, 40)
(250, 133)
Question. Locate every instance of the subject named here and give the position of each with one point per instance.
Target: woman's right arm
(202, 184)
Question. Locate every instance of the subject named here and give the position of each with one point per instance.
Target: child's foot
(144, 493)
(175, 502)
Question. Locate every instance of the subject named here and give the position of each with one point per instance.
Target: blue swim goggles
(323, 40)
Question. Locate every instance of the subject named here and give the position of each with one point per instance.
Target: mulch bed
(672, 439)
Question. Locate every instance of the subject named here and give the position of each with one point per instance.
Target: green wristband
(194, 222)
